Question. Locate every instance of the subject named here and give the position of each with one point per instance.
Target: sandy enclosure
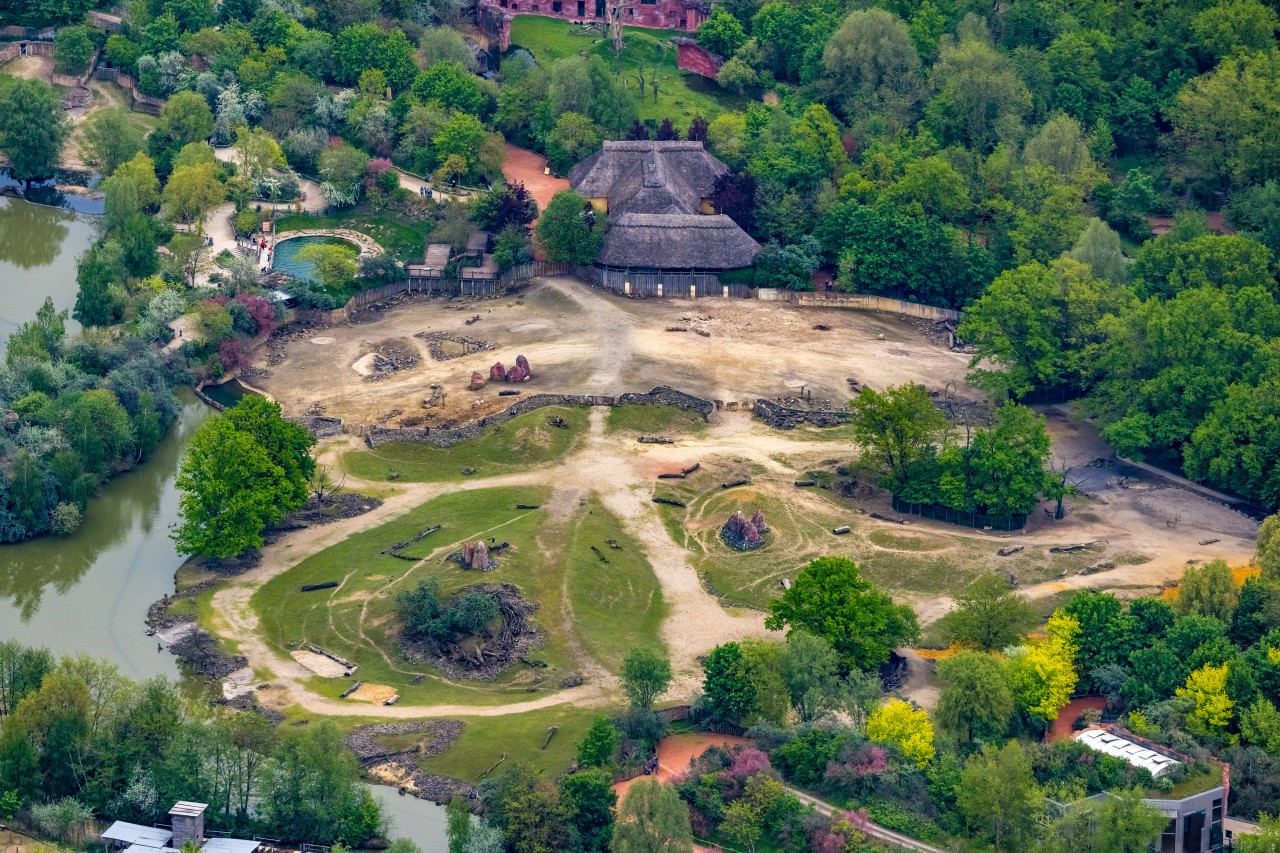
(581, 340)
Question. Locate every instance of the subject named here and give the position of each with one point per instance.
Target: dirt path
(527, 167)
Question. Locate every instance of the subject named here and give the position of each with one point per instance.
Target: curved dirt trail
(609, 466)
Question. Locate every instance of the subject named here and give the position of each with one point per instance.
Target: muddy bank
(400, 768)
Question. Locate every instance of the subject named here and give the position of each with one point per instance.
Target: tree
(192, 191)
(1119, 822)
(574, 138)
(230, 492)
(599, 743)
(1041, 674)
(646, 675)
(185, 118)
(1223, 118)
(873, 68)
(335, 264)
(110, 138)
(1268, 547)
(906, 727)
(73, 49)
(341, 169)
(257, 154)
(1212, 710)
(976, 702)
(1208, 590)
(652, 819)
(810, 671)
(1260, 725)
(571, 229)
(590, 800)
(1098, 248)
(721, 33)
(832, 600)
(1255, 211)
(288, 444)
(980, 97)
(990, 616)
(33, 127)
(999, 798)
(98, 270)
(729, 692)
(98, 428)
(1265, 840)
(505, 205)
(896, 427)
(1239, 27)
(453, 87)
(459, 823)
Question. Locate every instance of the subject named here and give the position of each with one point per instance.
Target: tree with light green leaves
(999, 798)
(1208, 590)
(990, 616)
(646, 675)
(652, 819)
(571, 229)
(976, 702)
(33, 127)
(334, 263)
(896, 428)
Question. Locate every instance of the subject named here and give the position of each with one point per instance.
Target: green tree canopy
(646, 675)
(652, 819)
(832, 600)
(897, 427)
(990, 616)
(33, 127)
(976, 702)
(571, 229)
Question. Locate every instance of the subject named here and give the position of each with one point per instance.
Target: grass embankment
(548, 560)
(664, 420)
(403, 238)
(523, 442)
(519, 737)
(907, 560)
(680, 97)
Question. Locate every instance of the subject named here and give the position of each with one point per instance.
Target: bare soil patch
(375, 693)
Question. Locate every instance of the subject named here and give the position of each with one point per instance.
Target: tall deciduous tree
(192, 191)
(976, 702)
(907, 727)
(230, 492)
(33, 127)
(832, 600)
(110, 138)
(646, 675)
(990, 616)
(1208, 590)
(897, 427)
(652, 819)
(571, 229)
(873, 69)
(810, 671)
(999, 798)
(726, 685)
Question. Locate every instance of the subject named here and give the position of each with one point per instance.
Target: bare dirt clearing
(580, 340)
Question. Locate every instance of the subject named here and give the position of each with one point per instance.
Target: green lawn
(523, 442)
(612, 605)
(681, 96)
(519, 737)
(403, 238)
(618, 604)
(654, 419)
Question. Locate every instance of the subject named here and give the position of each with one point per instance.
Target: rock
(497, 373)
(477, 381)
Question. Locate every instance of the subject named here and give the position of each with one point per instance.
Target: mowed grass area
(654, 420)
(523, 442)
(680, 97)
(549, 559)
(406, 239)
(519, 737)
(908, 560)
(616, 604)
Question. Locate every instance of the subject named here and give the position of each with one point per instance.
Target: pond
(420, 820)
(38, 249)
(227, 394)
(286, 260)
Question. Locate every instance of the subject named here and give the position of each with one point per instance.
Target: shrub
(66, 519)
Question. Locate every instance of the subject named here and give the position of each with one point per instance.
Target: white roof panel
(229, 845)
(1135, 754)
(133, 833)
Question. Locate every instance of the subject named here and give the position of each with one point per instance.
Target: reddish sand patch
(675, 752)
(522, 165)
(1061, 728)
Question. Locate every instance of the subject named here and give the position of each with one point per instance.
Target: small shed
(125, 835)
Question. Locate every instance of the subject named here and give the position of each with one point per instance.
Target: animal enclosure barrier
(938, 512)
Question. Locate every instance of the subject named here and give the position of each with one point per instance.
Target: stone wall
(690, 56)
(861, 301)
(449, 436)
(782, 417)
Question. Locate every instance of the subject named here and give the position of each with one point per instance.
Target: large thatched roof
(677, 241)
(648, 177)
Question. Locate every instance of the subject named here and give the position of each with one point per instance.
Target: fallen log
(312, 587)
(1009, 550)
(508, 392)
(654, 439)
(694, 467)
(400, 546)
(495, 766)
(887, 518)
(1209, 541)
(744, 481)
(352, 689)
(551, 732)
(527, 506)
(670, 476)
(599, 554)
(840, 531)
(804, 484)
(1069, 549)
(393, 700)
(670, 502)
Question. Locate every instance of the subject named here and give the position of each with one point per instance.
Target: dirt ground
(527, 167)
(677, 751)
(375, 693)
(581, 340)
(320, 665)
(31, 68)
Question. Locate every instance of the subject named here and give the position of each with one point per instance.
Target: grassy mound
(522, 442)
(666, 420)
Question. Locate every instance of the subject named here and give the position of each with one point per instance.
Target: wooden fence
(137, 101)
(862, 301)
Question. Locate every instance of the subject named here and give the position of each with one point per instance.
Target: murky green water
(287, 262)
(38, 249)
(89, 592)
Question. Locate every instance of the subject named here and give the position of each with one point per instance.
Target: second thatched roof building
(658, 198)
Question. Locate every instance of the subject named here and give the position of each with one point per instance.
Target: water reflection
(38, 248)
(32, 235)
(89, 592)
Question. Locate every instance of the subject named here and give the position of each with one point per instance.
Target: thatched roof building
(657, 195)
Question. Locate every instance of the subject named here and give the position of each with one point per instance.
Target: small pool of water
(287, 262)
(47, 192)
(228, 393)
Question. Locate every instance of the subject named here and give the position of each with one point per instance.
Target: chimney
(187, 820)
